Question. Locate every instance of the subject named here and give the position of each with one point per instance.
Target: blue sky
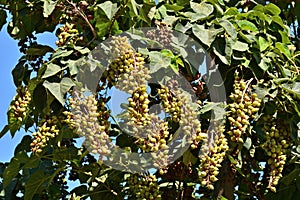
(9, 55)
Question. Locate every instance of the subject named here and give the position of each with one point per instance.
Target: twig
(246, 89)
(86, 20)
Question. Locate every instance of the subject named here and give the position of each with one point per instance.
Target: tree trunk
(225, 186)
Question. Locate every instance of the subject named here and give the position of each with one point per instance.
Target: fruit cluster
(189, 120)
(19, 106)
(29, 41)
(243, 108)
(69, 119)
(119, 46)
(171, 104)
(157, 134)
(103, 112)
(47, 130)
(26, 42)
(138, 107)
(123, 59)
(67, 35)
(138, 76)
(276, 146)
(162, 34)
(126, 70)
(120, 71)
(211, 160)
(85, 116)
(144, 187)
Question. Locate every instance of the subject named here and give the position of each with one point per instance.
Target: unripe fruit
(242, 109)
(144, 186)
(275, 147)
(211, 161)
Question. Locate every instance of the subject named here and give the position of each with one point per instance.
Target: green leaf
(278, 20)
(68, 154)
(231, 11)
(248, 143)
(61, 52)
(163, 11)
(158, 60)
(229, 28)
(223, 198)
(35, 184)
(82, 50)
(12, 170)
(202, 10)
(206, 36)
(247, 26)
(271, 9)
(284, 37)
(283, 48)
(104, 194)
(18, 72)
(264, 63)
(80, 190)
(4, 131)
(180, 28)
(223, 50)
(208, 106)
(39, 97)
(109, 9)
(293, 89)
(288, 179)
(3, 17)
(58, 90)
(102, 28)
(51, 70)
(14, 124)
(240, 46)
(133, 6)
(263, 44)
(173, 7)
(39, 50)
(24, 145)
(188, 157)
(73, 66)
(49, 7)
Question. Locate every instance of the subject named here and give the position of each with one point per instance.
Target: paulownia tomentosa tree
(254, 155)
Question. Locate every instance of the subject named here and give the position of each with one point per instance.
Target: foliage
(256, 152)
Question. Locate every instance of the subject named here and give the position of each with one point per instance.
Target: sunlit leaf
(247, 26)
(49, 7)
(51, 70)
(109, 9)
(206, 36)
(58, 90)
(229, 28)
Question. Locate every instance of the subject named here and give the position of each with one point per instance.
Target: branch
(225, 186)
